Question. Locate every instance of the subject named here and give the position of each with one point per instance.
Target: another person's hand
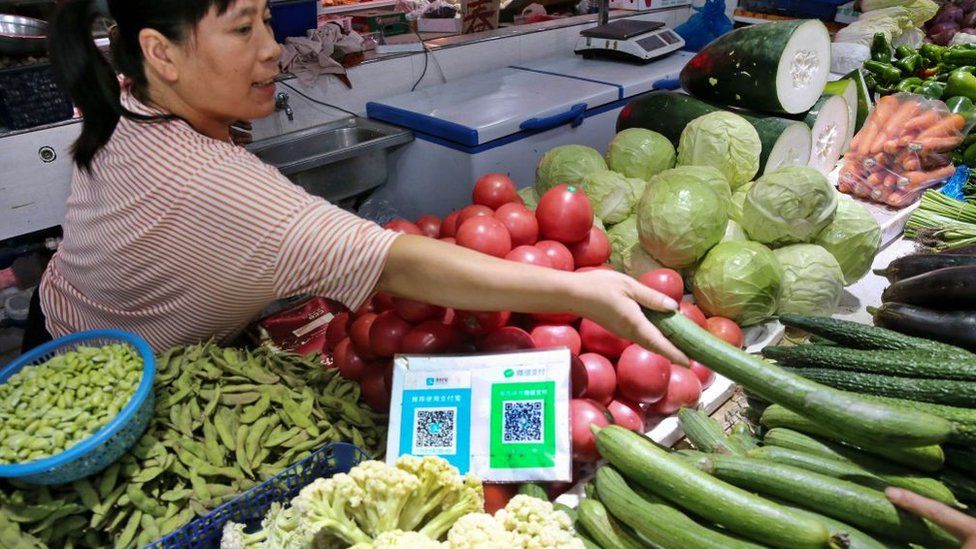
(958, 524)
(613, 300)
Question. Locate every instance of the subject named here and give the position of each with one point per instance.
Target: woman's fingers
(652, 339)
(958, 524)
(652, 299)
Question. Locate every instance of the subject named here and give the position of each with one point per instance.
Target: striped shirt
(180, 237)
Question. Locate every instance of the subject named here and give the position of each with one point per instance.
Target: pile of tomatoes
(613, 380)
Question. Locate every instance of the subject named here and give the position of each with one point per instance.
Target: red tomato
(726, 330)
(642, 375)
(416, 311)
(705, 376)
(549, 335)
(684, 390)
(520, 222)
(493, 190)
(350, 364)
(386, 333)
(558, 253)
(449, 240)
(359, 335)
(374, 390)
(666, 281)
(497, 496)
(627, 414)
(387, 368)
(429, 225)
(530, 255)
(692, 311)
(554, 318)
(591, 251)
(486, 235)
(601, 378)
(596, 339)
(564, 214)
(430, 337)
(367, 307)
(582, 414)
(449, 225)
(506, 338)
(403, 226)
(474, 210)
(337, 330)
(478, 323)
(382, 301)
(578, 377)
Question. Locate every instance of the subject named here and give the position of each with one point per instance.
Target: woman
(175, 233)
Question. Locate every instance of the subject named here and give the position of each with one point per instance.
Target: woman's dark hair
(87, 75)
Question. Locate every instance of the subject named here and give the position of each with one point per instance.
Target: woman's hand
(958, 524)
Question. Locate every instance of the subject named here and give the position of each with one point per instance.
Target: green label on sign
(523, 425)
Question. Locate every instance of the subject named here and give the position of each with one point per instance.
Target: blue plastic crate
(293, 18)
(251, 506)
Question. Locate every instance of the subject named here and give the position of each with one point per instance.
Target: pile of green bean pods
(48, 408)
(225, 420)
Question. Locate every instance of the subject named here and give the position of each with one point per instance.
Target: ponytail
(87, 76)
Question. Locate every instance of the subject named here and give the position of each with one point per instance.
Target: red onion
(942, 38)
(969, 20)
(966, 5)
(949, 12)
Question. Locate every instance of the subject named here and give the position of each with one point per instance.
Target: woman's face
(227, 67)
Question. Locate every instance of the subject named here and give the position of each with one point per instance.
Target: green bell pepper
(960, 56)
(932, 89)
(880, 48)
(959, 104)
(870, 81)
(885, 72)
(969, 155)
(909, 64)
(904, 51)
(932, 52)
(910, 84)
(961, 83)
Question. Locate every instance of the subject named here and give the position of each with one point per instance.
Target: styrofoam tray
(892, 220)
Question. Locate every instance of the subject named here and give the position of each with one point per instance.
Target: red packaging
(301, 328)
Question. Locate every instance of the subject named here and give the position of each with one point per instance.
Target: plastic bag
(953, 188)
(706, 25)
(904, 148)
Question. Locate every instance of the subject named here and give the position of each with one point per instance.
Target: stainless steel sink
(336, 160)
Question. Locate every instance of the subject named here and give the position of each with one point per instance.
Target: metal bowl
(22, 35)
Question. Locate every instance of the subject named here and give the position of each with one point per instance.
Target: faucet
(281, 103)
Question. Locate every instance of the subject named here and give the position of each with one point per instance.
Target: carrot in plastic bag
(950, 126)
(863, 140)
(900, 199)
(895, 123)
(923, 120)
(938, 144)
(919, 180)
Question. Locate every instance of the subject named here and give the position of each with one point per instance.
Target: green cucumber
(864, 336)
(854, 416)
(570, 512)
(655, 520)
(895, 475)
(963, 419)
(846, 501)
(785, 142)
(781, 67)
(853, 538)
(896, 363)
(533, 490)
(587, 542)
(671, 477)
(604, 529)
(925, 458)
(705, 433)
(937, 391)
(742, 434)
(961, 459)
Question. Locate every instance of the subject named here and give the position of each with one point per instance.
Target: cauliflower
(398, 539)
(284, 529)
(322, 509)
(537, 525)
(439, 480)
(480, 531)
(234, 537)
(386, 491)
(470, 498)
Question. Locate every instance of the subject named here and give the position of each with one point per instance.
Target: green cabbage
(566, 164)
(700, 174)
(920, 11)
(626, 253)
(733, 231)
(853, 238)
(737, 200)
(529, 197)
(812, 282)
(679, 221)
(640, 153)
(739, 280)
(613, 197)
(788, 206)
(725, 141)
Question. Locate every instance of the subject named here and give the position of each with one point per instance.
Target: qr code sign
(522, 422)
(435, 431)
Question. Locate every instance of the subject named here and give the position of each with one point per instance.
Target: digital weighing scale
(627, 39)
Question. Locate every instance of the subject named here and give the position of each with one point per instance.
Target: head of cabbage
(701, 174)
(640, 153)
(852, 237)
(737, 200)
(725, 141)
(626, 253)
(529, 197)
(788, 206)
(679, 221)
(739, 280)
(567, 164)
(613, 196)
(733, 231)
(812, 282)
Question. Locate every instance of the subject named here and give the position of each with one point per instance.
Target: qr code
(522, 422)
(435, 431)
